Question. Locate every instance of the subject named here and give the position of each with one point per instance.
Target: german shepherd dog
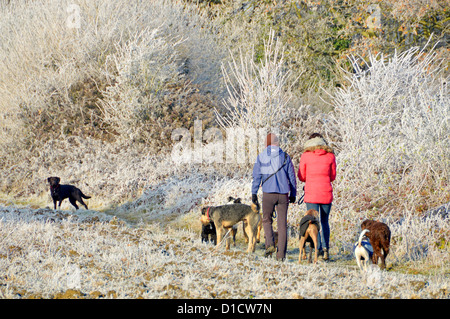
(226, 216)
(60, 192)
(209, 230)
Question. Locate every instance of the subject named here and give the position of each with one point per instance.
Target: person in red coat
(318, 169)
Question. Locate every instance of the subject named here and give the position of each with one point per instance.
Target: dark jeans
(324, 234)
(281, 201)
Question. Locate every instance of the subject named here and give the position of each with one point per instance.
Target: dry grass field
(88, 254)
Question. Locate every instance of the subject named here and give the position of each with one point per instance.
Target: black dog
(209, 233)
(60, 192)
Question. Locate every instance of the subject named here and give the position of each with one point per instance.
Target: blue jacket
(267, 163)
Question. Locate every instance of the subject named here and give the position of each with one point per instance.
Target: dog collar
(207, 214)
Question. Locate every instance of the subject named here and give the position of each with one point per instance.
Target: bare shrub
(141, 68)
(258, 96)
(64, 77)
(393, 123)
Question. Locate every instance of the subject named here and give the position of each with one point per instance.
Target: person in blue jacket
(274, 171)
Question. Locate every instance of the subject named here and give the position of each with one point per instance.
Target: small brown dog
(309, 231)
(380, 238)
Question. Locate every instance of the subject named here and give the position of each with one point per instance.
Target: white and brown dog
(363, 251)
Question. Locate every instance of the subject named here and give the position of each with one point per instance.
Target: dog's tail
(84, 196)
(362, 236)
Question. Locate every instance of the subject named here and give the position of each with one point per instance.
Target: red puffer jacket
(318, 170)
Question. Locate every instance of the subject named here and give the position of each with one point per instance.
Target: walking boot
(325, 254)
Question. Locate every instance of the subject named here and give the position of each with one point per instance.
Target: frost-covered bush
(261, 100)
(142, 67)
(393, 150)
(425, 239)
(258, 95)
(96, 68)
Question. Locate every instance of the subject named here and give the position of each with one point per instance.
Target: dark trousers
(324, 234)
(281, 201)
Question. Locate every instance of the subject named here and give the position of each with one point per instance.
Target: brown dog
(309, 231)
(380, 238)
(234, 229)
(258, 234)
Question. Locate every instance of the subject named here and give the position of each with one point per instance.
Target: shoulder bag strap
(284, 163)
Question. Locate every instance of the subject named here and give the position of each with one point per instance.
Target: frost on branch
(393, 120)
(257, 93)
